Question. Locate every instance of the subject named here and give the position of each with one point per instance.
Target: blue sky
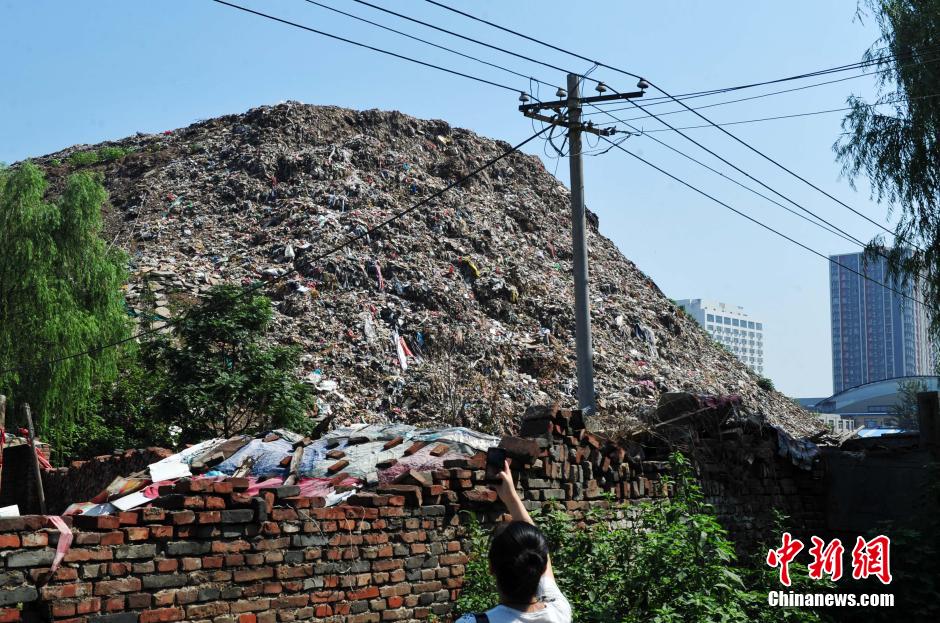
(83, 72)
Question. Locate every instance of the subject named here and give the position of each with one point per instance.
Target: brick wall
(209, 552)
(79, 482)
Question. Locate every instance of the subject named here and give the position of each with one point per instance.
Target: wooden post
(36, 471)
(3, 427)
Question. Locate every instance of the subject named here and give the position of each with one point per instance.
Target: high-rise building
(732, 328)
(877, 334)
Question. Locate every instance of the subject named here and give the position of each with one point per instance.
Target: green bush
(83, 158)
(765, 384)
(107, 154)
(665, 562)
(104, 154)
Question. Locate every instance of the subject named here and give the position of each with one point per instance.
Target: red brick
(9, 615)
(223, 488)
(112, 587)
(161, 615)
(88, 606)
(9, 541)
(128, 518)
(161, 532)
(35, 539)
(114, 604)
(65, 591)
(338, 466)
(249, 575)
(214, 502)
(182, 517)
(152, 514)
(137, 533)
(63, 609)
(480, 495)
(440, 450)
(370, 592)
(212, 562)
(112, 538)
(165, 566)
(209, 517)
(96, 522)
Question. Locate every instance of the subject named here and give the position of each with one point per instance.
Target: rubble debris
(331, 467)
(454, 315)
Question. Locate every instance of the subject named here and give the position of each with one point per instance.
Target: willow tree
(894, 140)
(60, 299)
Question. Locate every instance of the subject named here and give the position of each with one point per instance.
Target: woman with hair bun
(520, 564)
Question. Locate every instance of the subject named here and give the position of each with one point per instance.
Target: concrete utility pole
(572, 120)
(584, 351)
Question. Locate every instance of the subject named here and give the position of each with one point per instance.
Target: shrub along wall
(208, 551)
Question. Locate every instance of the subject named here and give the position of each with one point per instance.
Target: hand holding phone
(495, 463)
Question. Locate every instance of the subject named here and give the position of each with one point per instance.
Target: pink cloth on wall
(65, 542)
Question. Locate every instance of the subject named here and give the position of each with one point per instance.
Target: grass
(92, 156)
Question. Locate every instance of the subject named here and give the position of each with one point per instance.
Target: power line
(366, 46)
(769, 159)
(666, 100)
(430, 43)
(698, 114)
(751, 177)
(742, 185)
(757, 222)
(464, 37)
(779, 117)
(305, 263)
(839, 68)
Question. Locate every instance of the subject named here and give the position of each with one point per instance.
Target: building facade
(731, 327)
(837, 423)
(871, 405)
(876, 333)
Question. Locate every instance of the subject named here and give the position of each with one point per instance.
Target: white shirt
(556, 610)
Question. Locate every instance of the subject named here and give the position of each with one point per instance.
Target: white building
(837, 423)
(732, 328)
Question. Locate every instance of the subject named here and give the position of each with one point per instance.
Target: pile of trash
(330, 468)
(455, 315)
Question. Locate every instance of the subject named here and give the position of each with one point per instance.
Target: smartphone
(495, 462)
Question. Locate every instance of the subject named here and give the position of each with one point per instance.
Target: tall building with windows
(877, 334)
(732, 328)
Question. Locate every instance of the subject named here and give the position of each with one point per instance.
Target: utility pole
(572, 101)
(584, 351)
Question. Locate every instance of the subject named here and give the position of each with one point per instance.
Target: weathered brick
(32, 558)
(112, 587)
(143, 550)
(123, 617)
(151, 582)
(161, 615)
(17, 595)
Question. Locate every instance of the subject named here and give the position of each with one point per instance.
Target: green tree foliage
(668, 562)
(896, 144)
(60, 294)
(216, 374)
(905, 409)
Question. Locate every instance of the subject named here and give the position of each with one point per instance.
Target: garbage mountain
(458, 314)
